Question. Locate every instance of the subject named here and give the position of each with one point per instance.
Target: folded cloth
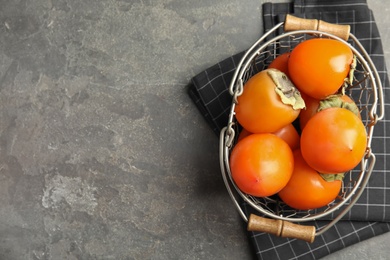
(370, 216)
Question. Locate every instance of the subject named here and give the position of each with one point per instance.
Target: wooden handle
(281, 228)
(293, 23)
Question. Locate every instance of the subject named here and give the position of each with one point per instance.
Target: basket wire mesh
(366, 90)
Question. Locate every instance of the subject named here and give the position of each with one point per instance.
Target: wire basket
(273, 216)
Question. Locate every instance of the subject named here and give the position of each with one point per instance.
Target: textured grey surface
(102, 153)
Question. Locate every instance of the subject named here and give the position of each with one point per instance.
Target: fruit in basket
(310, 110)
(269, 101)
(334, 140)
(281, 63)
(288, 133)
(261, 164)
(319, 66)
(315, 105)
(307, 189)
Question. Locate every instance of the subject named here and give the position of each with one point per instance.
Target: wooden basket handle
(293, 23)
(281, 228)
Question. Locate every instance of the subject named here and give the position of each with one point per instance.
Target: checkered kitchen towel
(370, 216)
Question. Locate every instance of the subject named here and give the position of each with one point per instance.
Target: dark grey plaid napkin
(370, 216)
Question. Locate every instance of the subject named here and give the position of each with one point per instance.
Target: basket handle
(293, 23)
(281, 228)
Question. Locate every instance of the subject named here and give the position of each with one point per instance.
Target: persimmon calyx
(286, 90)
(332, 177)
(337, 101)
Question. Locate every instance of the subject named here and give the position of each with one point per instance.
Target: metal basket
(365, 88)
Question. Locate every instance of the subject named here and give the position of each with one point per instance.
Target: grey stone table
(102, 153)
